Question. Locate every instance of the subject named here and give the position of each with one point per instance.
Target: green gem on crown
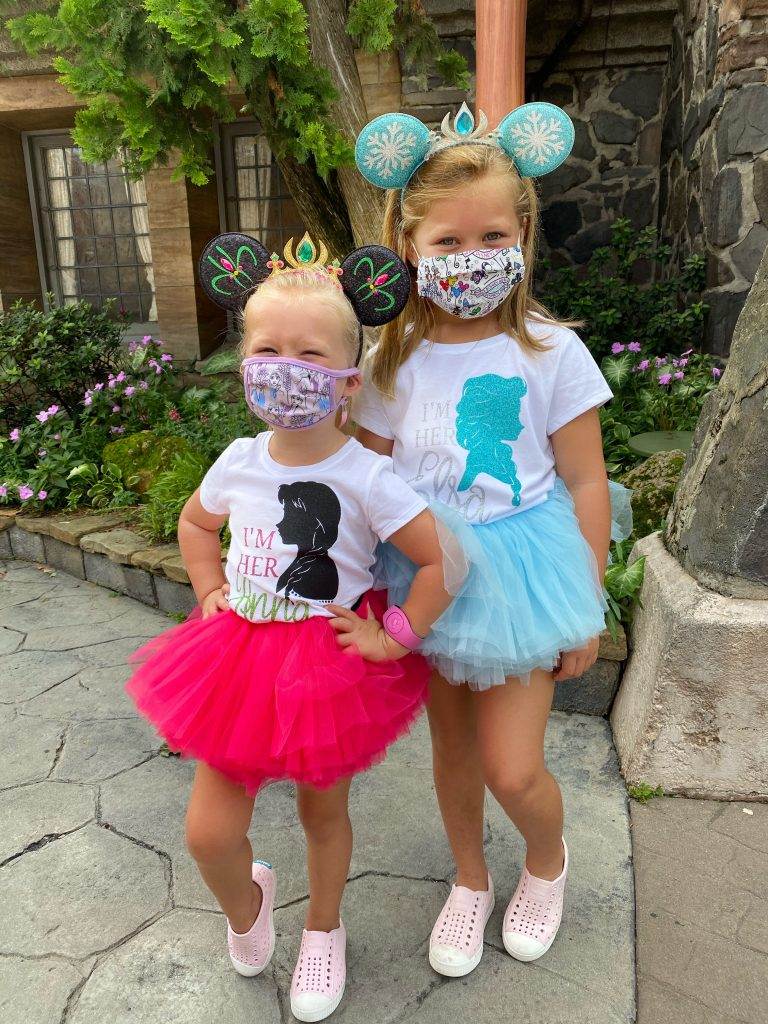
(305, 252)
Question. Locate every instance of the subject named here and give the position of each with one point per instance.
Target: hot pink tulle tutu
(267, 701)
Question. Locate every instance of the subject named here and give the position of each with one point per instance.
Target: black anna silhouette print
(311, 521)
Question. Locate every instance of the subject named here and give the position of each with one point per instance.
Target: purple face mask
(290, 393)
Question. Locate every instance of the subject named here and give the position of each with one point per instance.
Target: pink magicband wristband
(396, 625)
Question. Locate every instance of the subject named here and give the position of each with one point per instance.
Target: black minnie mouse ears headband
(373, 277)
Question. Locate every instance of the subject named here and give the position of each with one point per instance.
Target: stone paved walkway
(104, 919)
(702, 911)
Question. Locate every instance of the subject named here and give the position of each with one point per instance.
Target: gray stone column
(691, 714)
(718, 524)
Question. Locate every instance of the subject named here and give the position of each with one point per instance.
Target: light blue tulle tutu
(530, 592)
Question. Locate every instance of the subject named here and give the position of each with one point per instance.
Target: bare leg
(324, 814)
(458, 778)
(511, 721)
(218, 818)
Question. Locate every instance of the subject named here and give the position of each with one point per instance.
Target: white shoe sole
(246, 970)
(522, 957)
(315, 1015)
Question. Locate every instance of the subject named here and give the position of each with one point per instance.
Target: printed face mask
(470, 284)
(290, 393)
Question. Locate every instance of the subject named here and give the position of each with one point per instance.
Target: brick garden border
(101, 547)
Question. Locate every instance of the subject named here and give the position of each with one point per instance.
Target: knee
(208, 843)
(321, 823)
(513, 783)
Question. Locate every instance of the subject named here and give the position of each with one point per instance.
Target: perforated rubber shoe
(320, 974)
(534, 914)
(456, 942)
(251, 951)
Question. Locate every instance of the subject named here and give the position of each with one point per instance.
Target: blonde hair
(304, 286)
(440, 178)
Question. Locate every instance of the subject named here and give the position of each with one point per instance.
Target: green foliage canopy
(154, 74)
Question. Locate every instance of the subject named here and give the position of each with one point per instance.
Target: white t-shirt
(303, 536)
(471, 422)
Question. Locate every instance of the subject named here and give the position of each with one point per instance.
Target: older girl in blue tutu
(488, 407)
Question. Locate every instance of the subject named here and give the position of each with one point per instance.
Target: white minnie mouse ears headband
(537, 137)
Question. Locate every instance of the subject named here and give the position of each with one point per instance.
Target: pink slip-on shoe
(534, 914)
(320, 974)
(456, 942)
(251, 951)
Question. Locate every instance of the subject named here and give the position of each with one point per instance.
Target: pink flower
(174, 415)
(117, 430)
(120, 377)
(115, 408)
(25, 492)
(617, 347)
(42, 495)
(3, 491)
(679, 375)
(42, 453)
(87, 400)
(665, 378)
(166, 357)
(42, 415)
(682, 362)
(634, 346)
(660, 361)
(129, 391)
(716, 372)
(57, 437)
(99, 386)
(643, 364)
(112, 382)
(15, 434)
(143, 384)
(146, 339)
(52, 410)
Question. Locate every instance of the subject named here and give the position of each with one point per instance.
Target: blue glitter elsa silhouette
(487, 419)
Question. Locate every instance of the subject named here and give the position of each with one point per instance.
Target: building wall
(714, 149)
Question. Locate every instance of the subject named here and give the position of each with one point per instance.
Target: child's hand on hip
(215, 602)
(575, 663)
(365, 637)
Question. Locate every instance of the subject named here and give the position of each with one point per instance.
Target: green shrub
(50, 358)
(144, 456)
(622, 583)
(103, 486)
(169, 493)
(664, 315)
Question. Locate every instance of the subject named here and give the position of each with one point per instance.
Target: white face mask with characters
(473, 283)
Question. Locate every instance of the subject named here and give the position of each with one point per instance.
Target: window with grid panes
(256, 198)
(93, 228)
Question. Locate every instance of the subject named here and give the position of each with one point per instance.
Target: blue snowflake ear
(390, 148)
(377, 283)
(537, 136)
(231, 266)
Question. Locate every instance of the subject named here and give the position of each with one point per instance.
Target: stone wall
(714, 151)
(610, 82)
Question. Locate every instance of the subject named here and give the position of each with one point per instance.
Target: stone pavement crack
(43, 841)
(164, 857)
(74, 997)
(58, 752)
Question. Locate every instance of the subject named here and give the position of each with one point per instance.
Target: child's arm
(426, 601)
(201, 551)
(376, 443)
(578, 449)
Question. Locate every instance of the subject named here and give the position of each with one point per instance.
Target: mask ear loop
(344, 407)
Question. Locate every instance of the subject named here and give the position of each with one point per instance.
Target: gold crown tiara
(306, 257)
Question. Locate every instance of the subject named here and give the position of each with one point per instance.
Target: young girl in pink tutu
(284, 671)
